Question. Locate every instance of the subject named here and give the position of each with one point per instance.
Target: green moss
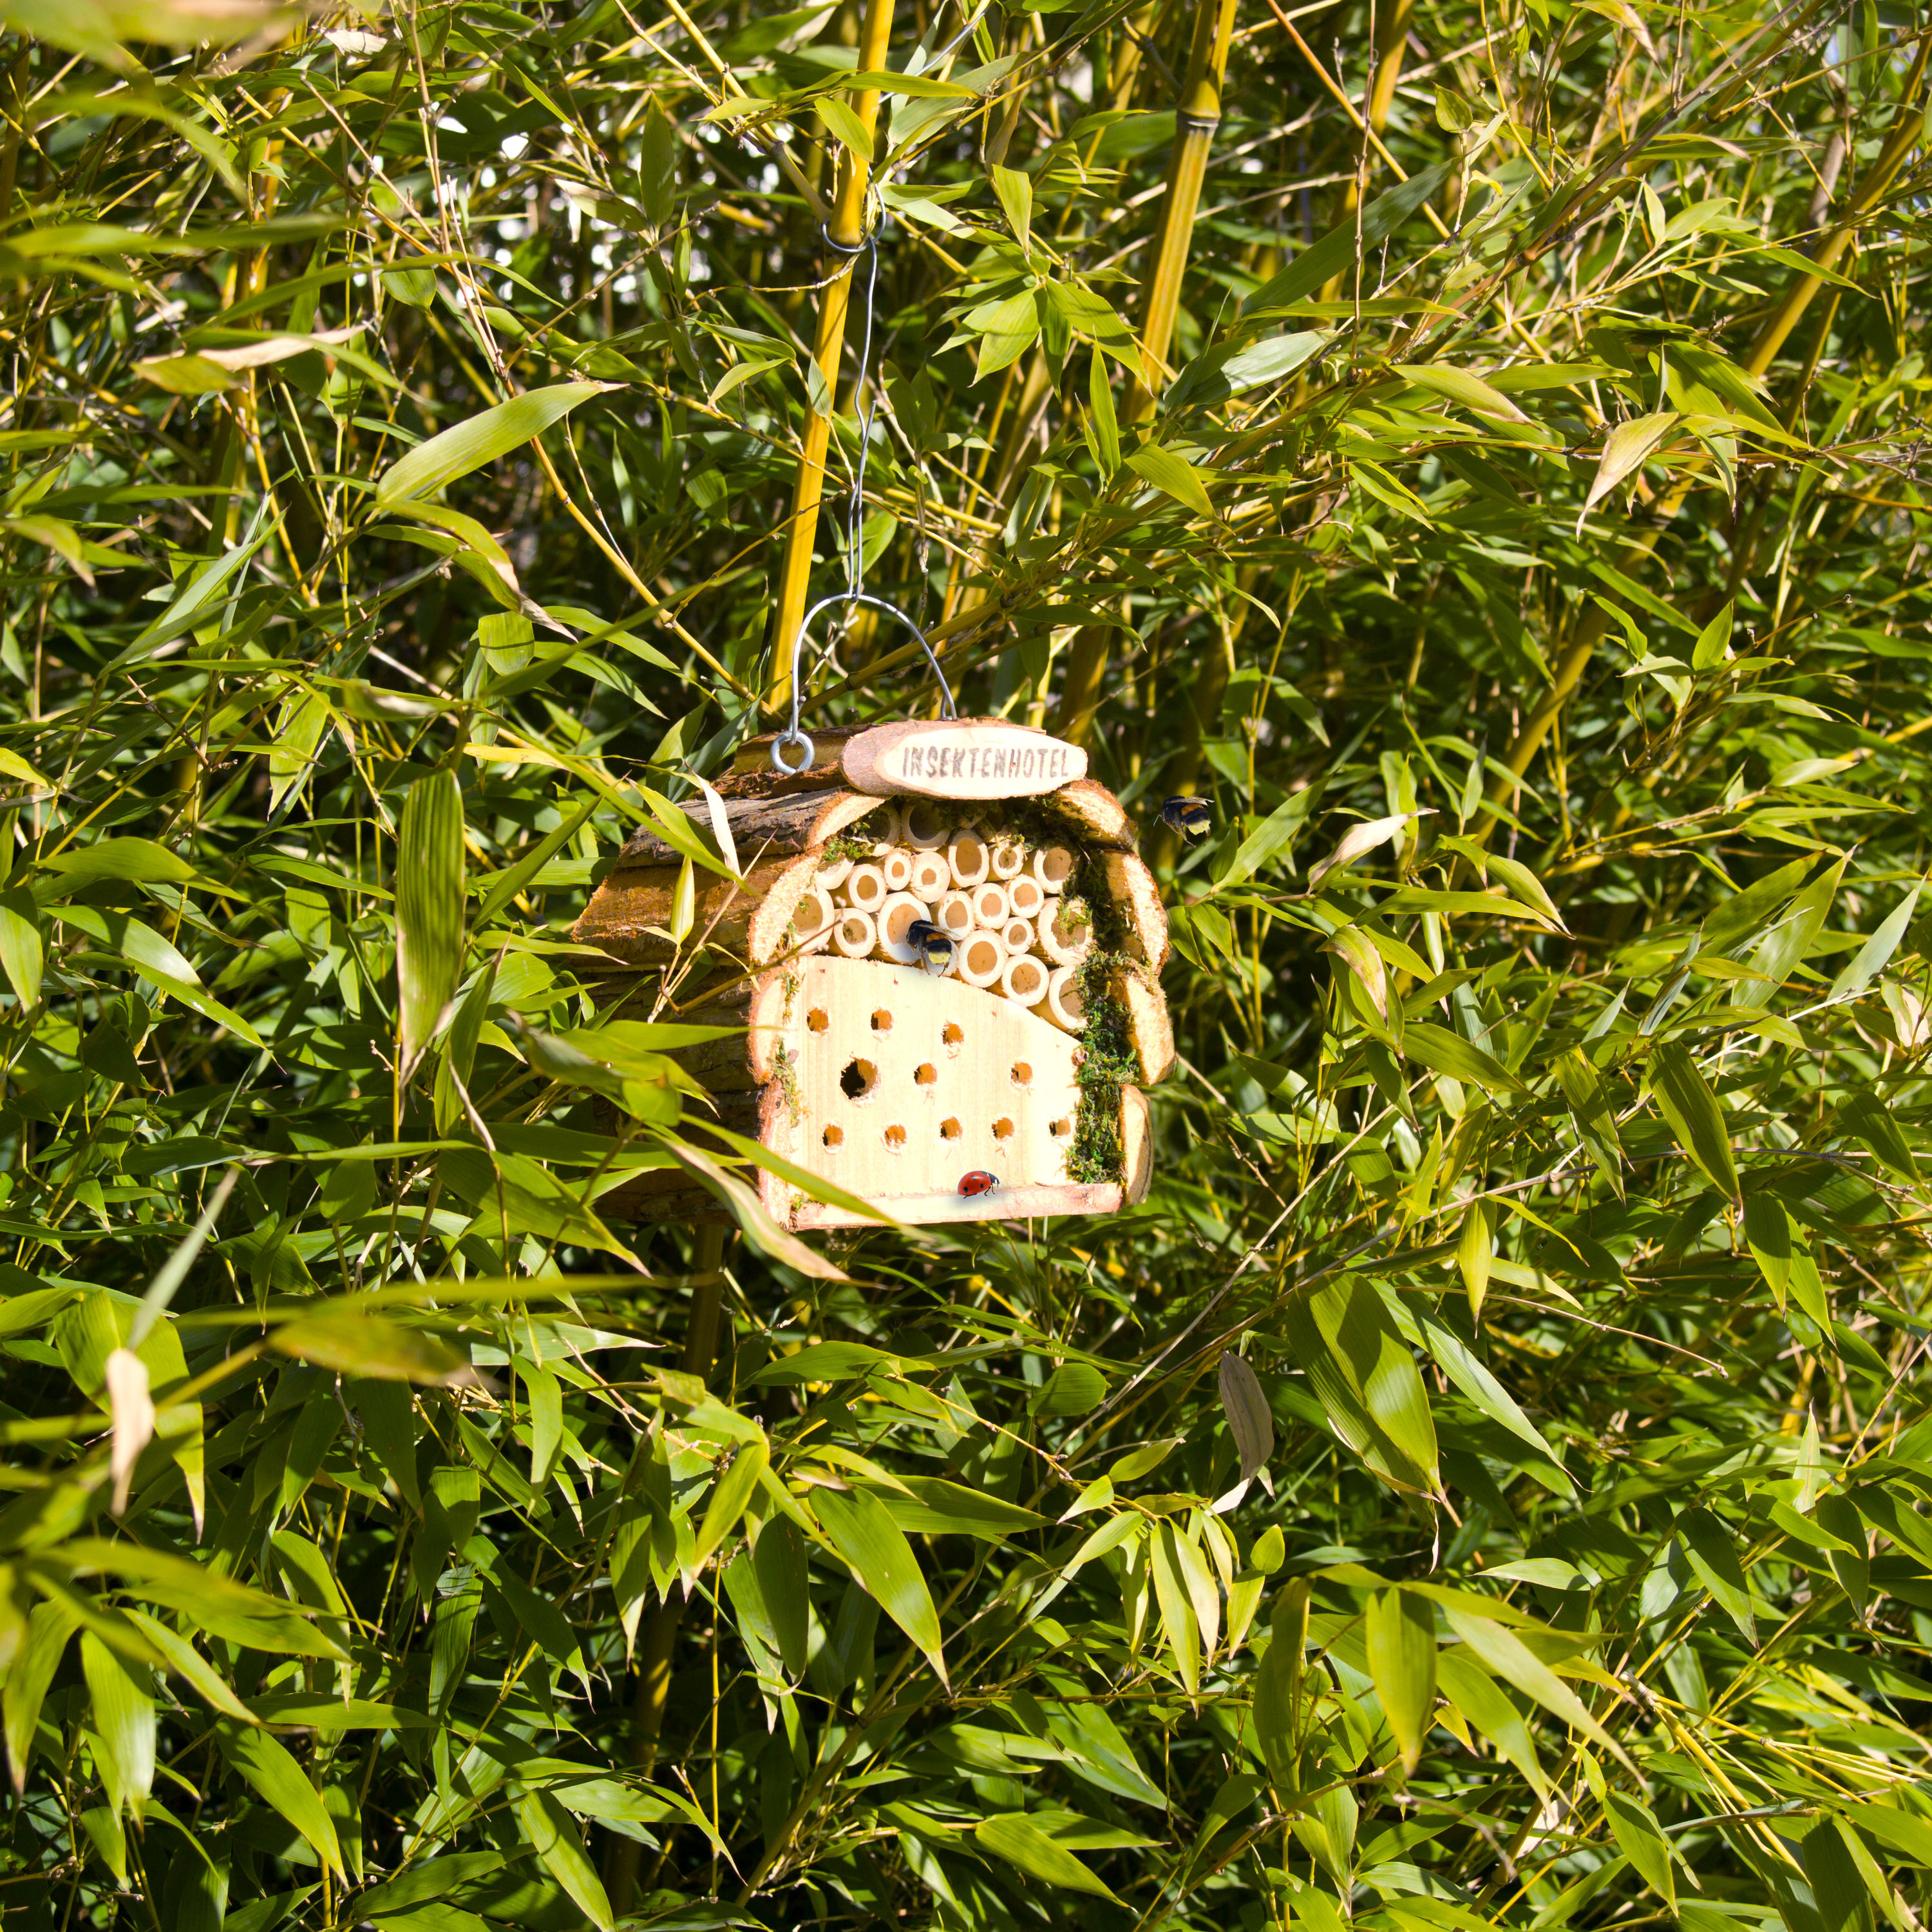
(1107, 1064)
(846, 845)
(788, 1080)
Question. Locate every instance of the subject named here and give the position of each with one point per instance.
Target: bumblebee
(1189, 816)
(934, 944)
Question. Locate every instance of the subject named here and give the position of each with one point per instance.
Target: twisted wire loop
(792, 739)
(792, 736)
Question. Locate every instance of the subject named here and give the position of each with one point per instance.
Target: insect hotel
(943, 952)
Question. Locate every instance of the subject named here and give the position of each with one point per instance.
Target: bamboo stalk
(1197, 114)
(846, 229)
(1594, 623)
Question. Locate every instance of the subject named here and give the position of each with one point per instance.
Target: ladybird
(978, 1182)
(1190, 817)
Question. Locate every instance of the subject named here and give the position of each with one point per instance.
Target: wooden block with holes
(901, 1072)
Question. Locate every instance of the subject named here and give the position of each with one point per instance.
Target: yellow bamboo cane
(1197, 114)
(847, 230)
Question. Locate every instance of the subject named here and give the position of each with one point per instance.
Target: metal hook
(792, 735)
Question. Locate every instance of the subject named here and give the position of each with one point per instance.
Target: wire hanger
(855, 592)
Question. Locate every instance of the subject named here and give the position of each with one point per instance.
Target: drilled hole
(896, 1138)
(952, 1034)
(882, 1022)
(926, 1075)
(1060, 1129)
(949, 1130)
(1022, 1074)
(858, 1079)
(834, 1137)
(1003, 1129)
(816, 1019)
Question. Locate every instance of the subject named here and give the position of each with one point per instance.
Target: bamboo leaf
(862, 1530)
(1641, 1840)
(1015, 190)
(1178, 1621)
(429, 892)
(267, 1767)
(1028, 1849)
(23, 955)
(1506, 1654)
(454, 452)
(49, 1625)
(735, 1489)
(845, 126)
(1401, 1640)
(351, 1342)
(554, 1837)
(1359, 840)
(1173, 474)
(1442, 1051)
(1474, 1249)
(1626, 449)
(1688, 1104)
(1462, 386)
(1244, 1404)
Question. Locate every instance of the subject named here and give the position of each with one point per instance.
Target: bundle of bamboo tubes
(1001, 896)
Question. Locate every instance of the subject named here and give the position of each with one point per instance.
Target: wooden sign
(965, 757)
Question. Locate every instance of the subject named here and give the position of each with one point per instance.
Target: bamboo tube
(932, 877)
(854, 935)
(981, 960)
(1009, 858)
(1020, 935)
(1053, 866)
(813, 913)
(1024, 980)
(832, 874)
(888, 829)
(895, 867)
(1026, 896)
(1066, 932)
(990, 907)
(953, 915)
(846, 228)
(1064, 1005)
(865, 888)
(1197, 114)
(966, 854)
(895, 921)
(923, 824)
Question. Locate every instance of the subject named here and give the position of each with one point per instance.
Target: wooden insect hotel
(902, 1072)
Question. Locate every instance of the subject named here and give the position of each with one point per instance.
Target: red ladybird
(978, 1182)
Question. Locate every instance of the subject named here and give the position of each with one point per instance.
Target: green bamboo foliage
(1484, 1485)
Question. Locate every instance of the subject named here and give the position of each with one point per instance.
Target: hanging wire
(855, 592)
